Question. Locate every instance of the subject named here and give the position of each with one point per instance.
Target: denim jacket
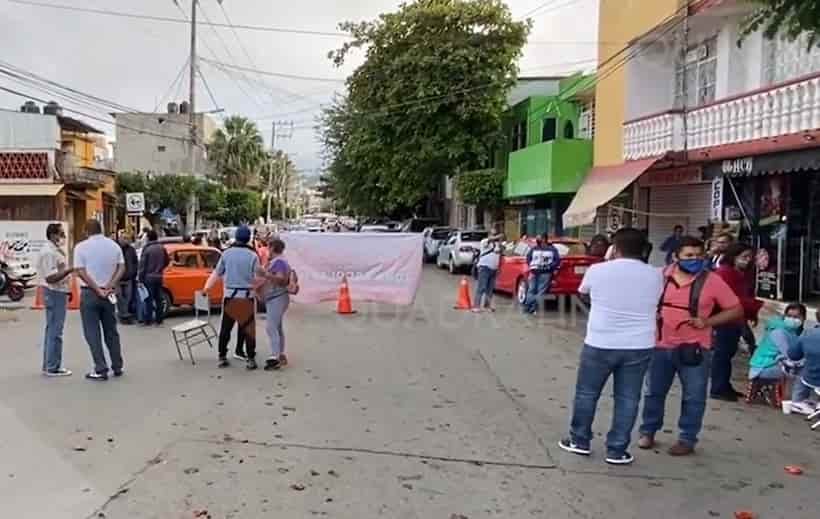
(808, 348)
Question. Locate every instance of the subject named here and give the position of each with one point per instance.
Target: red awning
(601, 185)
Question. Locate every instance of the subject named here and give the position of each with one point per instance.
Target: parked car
(458, 252)
(514, 271)
(433, 238)
(419, 224)
(189, 269)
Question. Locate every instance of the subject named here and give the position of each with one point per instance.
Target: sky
(135, 62)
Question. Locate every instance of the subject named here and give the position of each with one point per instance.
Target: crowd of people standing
(119, 286)
(648, 326)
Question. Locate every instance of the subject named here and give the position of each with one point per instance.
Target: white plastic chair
(196, 331)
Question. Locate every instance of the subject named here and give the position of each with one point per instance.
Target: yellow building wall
(619, 23)
(81, 147)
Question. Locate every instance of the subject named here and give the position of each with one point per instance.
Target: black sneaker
(623, 458)
(570, 446)
(238, 355)
(272, 364)
(96, 377)
(223, 363)
(251, 365)
(119, 372)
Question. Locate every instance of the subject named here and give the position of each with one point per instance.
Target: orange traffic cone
(73, 295)
(39, 302)
(463, 301)
(343, 305)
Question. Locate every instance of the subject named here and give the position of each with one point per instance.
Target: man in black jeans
(126, 293)
(153, 261)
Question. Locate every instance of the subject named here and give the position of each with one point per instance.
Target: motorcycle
(9, 285)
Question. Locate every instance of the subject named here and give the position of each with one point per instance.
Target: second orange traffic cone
(39, 302)
(343, 304)
(463, 300)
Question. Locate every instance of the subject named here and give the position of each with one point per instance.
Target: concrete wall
(158, 143)
(619, 23)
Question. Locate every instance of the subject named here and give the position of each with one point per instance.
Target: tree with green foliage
(427, 101)
(483, 188)
(212, 199)
(161, 191)
(241, 206)
(789, 18)
(237, 153)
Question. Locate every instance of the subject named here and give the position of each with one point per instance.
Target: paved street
(399, 413)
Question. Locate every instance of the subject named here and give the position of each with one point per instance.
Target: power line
(274, 74)
(176, 81)
(177, 20)
(208, 88)
(536, 9)
(84, 114)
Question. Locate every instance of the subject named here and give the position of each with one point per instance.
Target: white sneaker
(62, 372)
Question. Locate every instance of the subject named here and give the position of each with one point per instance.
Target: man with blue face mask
(694, 301)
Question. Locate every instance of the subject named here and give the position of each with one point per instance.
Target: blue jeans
(485, 286)
(694, 381)
(725, 340)
(97, 312)
(538, 285)
(153, 305)
(628, 368)
(55, 302)
(274, 314)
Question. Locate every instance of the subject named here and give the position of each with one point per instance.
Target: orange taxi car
(190, 267)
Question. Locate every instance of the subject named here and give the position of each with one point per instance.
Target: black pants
(241, 311)
(725, 341)
(153, 305)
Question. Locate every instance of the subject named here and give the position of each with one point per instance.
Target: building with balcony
(694, 129)
(549, 152)
(47, 173)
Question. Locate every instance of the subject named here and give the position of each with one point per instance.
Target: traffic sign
(135, 203)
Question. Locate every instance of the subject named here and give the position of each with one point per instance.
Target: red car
(514, 271)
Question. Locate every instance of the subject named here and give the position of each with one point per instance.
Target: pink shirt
(715, 294)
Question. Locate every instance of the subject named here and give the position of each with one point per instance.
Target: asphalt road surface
(421, 412)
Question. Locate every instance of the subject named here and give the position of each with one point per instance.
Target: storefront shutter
(690, 201)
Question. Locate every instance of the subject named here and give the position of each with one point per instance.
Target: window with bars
(696, 75)
(586, 121)
(784, 60)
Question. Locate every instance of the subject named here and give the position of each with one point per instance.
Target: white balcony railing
(781, 110)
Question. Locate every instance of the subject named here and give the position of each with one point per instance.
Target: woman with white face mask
(770, 361)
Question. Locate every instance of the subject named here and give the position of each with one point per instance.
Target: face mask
(691, 266)
(793, 322)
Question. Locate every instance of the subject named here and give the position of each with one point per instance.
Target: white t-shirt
(488, 254)
(100, 257)
(625, 295)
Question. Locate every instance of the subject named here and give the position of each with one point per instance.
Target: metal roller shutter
(691, 201)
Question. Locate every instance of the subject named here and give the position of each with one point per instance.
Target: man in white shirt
(100, 264)
(489, 257)
(53, 272)
(621, 335)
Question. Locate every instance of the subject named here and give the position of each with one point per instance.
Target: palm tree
(237, 153)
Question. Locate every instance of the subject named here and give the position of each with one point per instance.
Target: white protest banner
(380, 267)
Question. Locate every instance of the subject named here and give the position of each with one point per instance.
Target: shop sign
(672, 177)
(716, 203)
(743, 166)
(522, 201)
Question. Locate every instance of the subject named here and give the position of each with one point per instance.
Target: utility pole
(270, 171)
(191, 219)
(278, 164)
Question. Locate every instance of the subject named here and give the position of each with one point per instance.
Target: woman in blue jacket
(807, 349)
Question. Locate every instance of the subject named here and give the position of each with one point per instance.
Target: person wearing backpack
(694, 300)
(280, 283)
